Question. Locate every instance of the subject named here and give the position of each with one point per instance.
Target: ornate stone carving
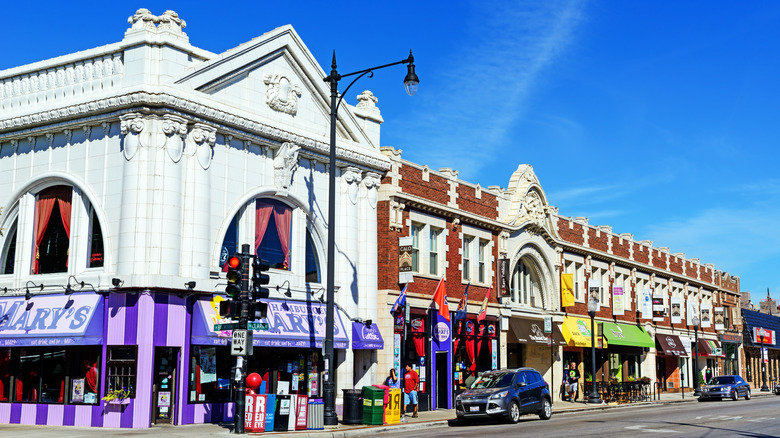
(532, 209)
(285, 163)
(372, 181)
(169, 21)
(175, 130)
(367, 100)
(131, 126)
(203, 136)
(352, 177)
(281, 94)
(142, 19)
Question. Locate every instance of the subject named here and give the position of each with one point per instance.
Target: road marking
(761, 419)
(641, 428)
(702, 416)
(730, 418)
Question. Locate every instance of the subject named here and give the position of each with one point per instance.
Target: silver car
(722, 387)
(508, 394)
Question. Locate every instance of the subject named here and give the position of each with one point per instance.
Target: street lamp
(593, 397)
(696, 390)
(764, 387)
(410, 84)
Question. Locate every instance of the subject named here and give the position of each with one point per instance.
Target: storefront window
(121, 369)
(5, 374)
(28, 381)
(53, 376)
(210, 374)
(85, 375)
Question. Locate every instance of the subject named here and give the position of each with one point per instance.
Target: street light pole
(697, 390)
(410, 82)
(764, 387)
(593, 397)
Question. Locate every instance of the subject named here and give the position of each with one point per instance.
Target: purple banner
(299, 324)
(366, 338)
(52, 320)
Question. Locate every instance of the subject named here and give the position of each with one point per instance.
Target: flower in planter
(116, 395)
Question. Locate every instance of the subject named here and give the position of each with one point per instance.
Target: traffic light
(234, 274)
(257, 309)
(230, 309)
(259, 278)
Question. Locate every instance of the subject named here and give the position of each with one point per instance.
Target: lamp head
(191, 284)
(593, 306)
(695, 321)
(116, 282)
(411, 81)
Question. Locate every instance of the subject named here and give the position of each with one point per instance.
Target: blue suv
(506, 393)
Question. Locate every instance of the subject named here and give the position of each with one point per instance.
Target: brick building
(469, 236)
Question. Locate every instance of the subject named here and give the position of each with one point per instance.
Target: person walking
(392, 380)
(572, 382)
(411, 385)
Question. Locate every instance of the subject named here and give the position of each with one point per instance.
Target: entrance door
(442, 381)
(164, 386)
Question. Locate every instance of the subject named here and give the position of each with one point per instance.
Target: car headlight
(499, 395)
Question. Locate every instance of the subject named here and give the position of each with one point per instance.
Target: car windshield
(493, 380)
(722, 380)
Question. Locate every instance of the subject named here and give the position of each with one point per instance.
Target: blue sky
(658, 118)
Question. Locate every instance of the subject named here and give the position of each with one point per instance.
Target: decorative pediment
(528, 204)
(281, 94)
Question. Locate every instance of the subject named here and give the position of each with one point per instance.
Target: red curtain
(263, 212)
(64, 203)
(470, 352)
(419, 344)
(456, 336)
(283, 218)
(43, 208)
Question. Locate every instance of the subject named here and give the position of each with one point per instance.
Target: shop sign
(731, 338)
(763, 336)
(54, 315)
(405, 247)
(548, 324)
(441, 332)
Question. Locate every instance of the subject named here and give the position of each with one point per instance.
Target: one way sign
(241, 344)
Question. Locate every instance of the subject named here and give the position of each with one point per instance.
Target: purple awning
(299, 324)
(366, 338)
(51, 320)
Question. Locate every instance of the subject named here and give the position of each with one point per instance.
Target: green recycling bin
(373, 405)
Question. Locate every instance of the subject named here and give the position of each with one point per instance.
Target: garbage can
(373, 405)
(316, 414)
(353, 406)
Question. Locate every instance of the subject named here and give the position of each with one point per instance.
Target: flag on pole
(440, 298)
(483, 309)
(400, 302)
(462, 305)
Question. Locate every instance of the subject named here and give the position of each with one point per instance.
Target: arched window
(526, 289)
(52, 230)
(59, 215)
(279, 231)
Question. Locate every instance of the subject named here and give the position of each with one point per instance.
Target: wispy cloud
(510, 46)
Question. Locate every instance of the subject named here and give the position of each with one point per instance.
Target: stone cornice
(22, 126)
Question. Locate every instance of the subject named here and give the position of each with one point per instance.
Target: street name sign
(257, 326)
(225, 326)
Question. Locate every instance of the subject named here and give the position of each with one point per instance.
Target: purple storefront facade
(157, 344)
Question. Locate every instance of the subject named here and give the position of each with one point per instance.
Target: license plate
(473, 408)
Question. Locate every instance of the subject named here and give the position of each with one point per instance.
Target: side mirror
(520, 385)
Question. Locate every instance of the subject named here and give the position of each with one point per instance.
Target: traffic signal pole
(243, 320)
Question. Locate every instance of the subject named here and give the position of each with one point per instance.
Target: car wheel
(735, 395)
(747, 395)
(514, 412)
(546, 412)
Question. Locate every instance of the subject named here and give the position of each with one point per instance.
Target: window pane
(95, 242)
(9, 252)
(312, 261)
(210, 374)
(28, 380)
(121, 369)
(416, 230)
(229, 243)
(53, 240)
(5, 374)
(275, 217)
(53, 376)
(85, 379)
(433, 263)
(433, 255)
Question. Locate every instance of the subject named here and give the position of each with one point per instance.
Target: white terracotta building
(162, 159)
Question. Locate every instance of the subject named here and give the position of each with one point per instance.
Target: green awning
(626, 334)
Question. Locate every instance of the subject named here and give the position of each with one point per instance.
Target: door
(442, 381)
(164, 385)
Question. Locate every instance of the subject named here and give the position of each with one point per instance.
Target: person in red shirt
(411, 384)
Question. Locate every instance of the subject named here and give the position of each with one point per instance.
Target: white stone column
(196, 215)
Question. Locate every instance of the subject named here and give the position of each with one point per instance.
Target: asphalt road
(759, 417)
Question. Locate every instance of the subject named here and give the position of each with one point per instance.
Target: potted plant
(117, 396)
